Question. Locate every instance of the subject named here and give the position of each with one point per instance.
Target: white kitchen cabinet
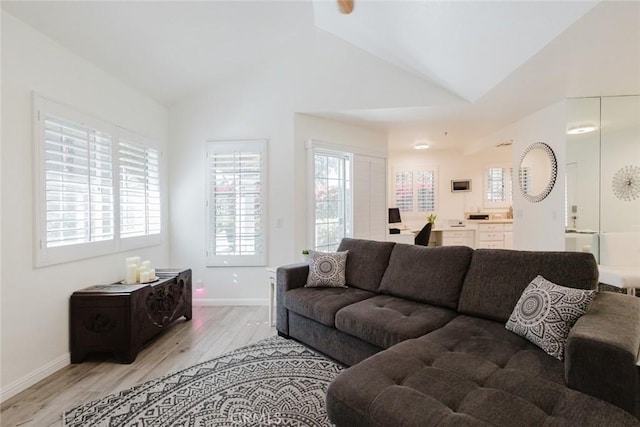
(456, 238)
(495, 236)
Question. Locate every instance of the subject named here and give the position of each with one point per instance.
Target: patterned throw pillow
(546, 312)
(327, 269)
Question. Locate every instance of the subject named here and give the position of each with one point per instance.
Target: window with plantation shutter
(78, 168)
(416, 190)
(139, 189)
(403, 186)
(426, 189)
(498, 185)
(97, 186)
(524, 176)
(236, 203)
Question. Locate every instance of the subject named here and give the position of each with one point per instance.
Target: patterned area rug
(273, 382)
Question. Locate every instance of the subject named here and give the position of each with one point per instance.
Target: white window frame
(508, 186)
(318, 147)
(257, 259)
(43, 255)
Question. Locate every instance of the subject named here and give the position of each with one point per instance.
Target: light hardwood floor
(212, 331)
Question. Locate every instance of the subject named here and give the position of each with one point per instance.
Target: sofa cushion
(546, 312)
(326, 269)
(367, 262)
(386, 320)
(469, 372)
(496, 278)
(321, 304)
(427, 274)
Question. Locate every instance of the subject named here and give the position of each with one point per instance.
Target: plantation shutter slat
(78, 186)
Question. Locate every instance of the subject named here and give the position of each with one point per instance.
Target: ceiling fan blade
(345, 6)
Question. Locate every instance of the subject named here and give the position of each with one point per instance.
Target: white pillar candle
(152, 274)
(131, 274)
(139, 271)
(144, 276)
(133, 260)
(146, 264)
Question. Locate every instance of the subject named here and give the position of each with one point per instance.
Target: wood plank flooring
(212, 331)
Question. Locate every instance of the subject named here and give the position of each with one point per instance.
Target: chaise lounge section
(423, 331)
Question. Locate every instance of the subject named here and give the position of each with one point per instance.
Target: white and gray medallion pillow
(327, 269)
(546, 312)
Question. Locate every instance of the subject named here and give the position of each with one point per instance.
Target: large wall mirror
(537, 172)
(603, 143)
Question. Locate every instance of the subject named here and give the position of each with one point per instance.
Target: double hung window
(332, 197)
(498, 186)
(403, 185)
(139, 189)
(91, 188)
(236, 203)
(426, 191)
(415, 190)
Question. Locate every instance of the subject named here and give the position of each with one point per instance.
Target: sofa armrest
(602, 349)
(288, 277)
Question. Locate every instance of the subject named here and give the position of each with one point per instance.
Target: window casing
(76, 206)
(236, 203)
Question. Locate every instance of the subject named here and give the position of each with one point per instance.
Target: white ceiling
(506, 59)
(168, 49)
(447, 41)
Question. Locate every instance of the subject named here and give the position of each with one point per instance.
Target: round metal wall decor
(626, 183)
(538, 172)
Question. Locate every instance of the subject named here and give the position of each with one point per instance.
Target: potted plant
(305, 254)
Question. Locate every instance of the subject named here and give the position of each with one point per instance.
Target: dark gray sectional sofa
(423, 333)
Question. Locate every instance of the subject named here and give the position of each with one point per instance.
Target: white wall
(538, 226)
(35, 302)
(450, 164)
(324, 74)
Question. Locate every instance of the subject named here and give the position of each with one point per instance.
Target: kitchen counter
(490, 221)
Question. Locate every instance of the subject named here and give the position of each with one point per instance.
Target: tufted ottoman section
(469, 372)
(385, 320)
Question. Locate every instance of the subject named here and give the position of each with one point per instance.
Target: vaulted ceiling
(497, 60)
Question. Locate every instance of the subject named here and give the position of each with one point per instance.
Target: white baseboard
(34, 377)
(55, 365)
(230, 301)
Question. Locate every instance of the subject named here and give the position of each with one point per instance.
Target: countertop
(490, 221)
(471, 225)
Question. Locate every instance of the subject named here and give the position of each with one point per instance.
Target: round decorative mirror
(538, 171)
